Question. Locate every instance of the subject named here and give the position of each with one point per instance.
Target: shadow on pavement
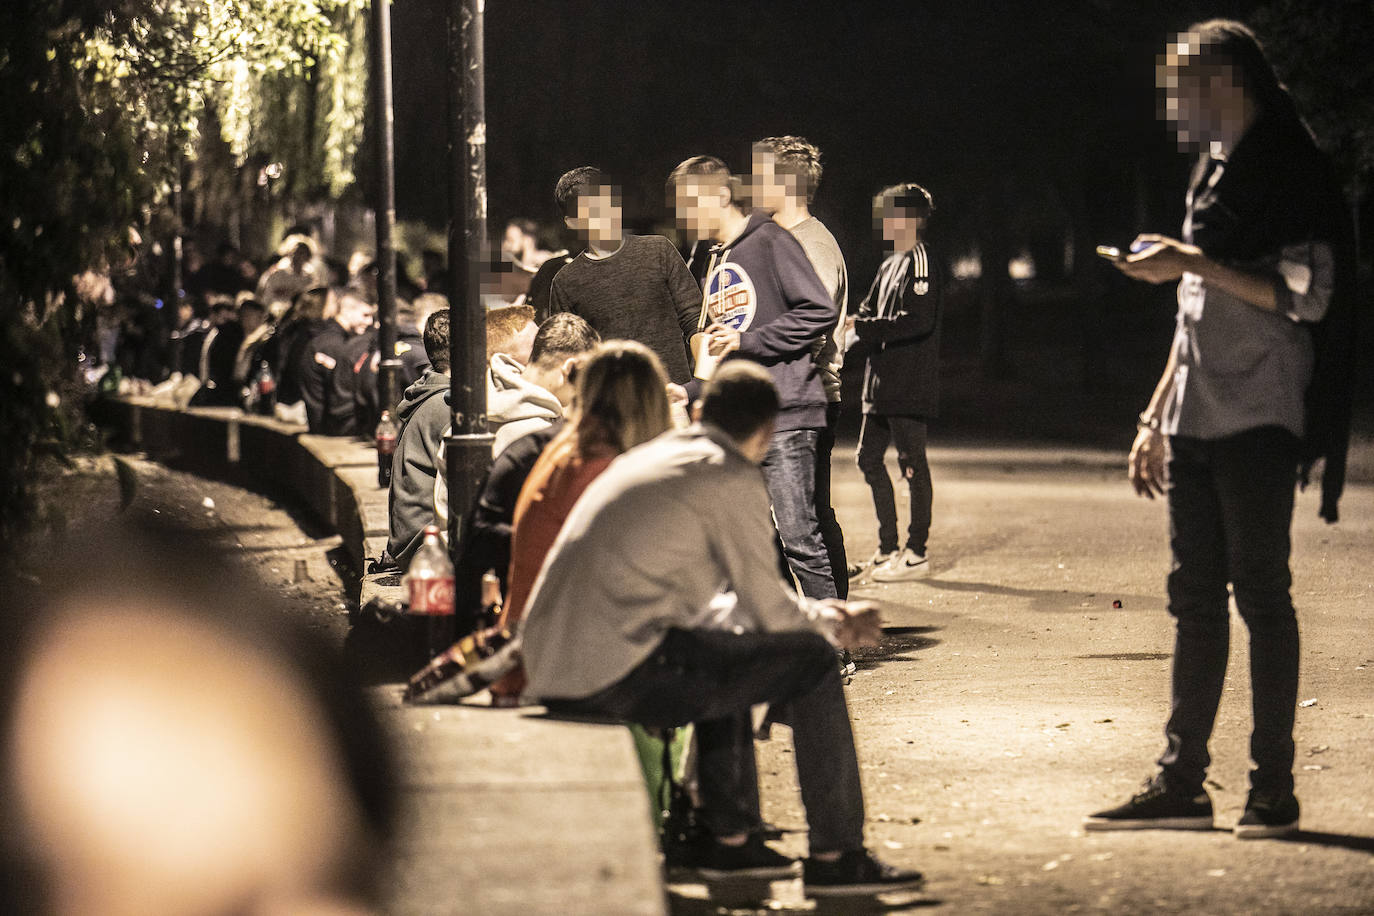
(1049, 599)
(896, 642)
(1334, 840)
(740, 897)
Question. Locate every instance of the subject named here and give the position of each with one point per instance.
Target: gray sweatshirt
(650, 545)
(824, 254)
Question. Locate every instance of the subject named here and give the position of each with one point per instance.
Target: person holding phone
(1219, 439)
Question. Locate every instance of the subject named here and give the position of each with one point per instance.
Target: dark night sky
(1003, 110)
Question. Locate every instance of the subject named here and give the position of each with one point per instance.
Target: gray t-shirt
(642, 292)
(824, 254)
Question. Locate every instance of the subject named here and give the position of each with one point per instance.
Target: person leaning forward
(625, 623)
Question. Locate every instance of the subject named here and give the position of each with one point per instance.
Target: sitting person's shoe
(1156, 807)
(903, 567)
(847, 666)
(879, 557)
(1268, 814)
(752, 859)
(856, 872)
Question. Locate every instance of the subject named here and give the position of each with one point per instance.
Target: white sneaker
(878, 559)
(906, 565)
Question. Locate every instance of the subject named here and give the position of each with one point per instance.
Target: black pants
(1230, 509)
(831, 532)
(712, 678)
(909, 435)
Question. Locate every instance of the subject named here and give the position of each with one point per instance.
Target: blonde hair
(622, 397)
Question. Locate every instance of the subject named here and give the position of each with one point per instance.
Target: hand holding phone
(1111, 253)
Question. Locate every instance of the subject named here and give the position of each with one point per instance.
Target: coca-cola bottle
(429, 584)
(264, 389)
(387, 431)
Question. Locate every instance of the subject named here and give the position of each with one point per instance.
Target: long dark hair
(1226, 41)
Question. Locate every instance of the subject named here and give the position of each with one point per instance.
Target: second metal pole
(388, 371)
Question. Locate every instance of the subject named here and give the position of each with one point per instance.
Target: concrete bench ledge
(502, 811)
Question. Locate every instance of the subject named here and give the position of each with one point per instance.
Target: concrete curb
(503, 811)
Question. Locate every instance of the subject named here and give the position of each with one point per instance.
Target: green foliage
(102, 101)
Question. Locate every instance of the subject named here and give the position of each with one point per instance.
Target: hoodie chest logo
(730, 297)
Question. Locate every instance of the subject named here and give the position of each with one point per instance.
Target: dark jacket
(487, 535)
(899, 320)
(219, 389)
(328, 409)
(1279, 190)
(424, 415)
(763, 285)
(292, 356)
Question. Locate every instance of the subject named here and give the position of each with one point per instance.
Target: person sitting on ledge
(629, 623)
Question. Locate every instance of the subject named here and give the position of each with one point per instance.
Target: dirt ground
(269, 540)
(1011, 697)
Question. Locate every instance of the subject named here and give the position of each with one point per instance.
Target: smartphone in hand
(1109, 252)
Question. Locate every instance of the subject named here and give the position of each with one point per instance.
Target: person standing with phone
(1256, 267)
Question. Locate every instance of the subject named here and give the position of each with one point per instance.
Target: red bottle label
(386, 444)
(431, 595)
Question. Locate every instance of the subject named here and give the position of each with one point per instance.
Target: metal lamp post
(388, 371)
(469, 444)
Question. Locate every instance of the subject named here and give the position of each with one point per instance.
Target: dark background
(1032, 124)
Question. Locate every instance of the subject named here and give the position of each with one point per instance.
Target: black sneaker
(856, 872)
(751, 860)
(1268, 815)
(1156, 807)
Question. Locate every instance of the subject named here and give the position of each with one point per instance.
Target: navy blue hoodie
(763, 285)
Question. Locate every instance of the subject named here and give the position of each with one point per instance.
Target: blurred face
(900, 229)
(769, 190)
(300, 257)
(516, 242)
(188, 775)
(355, 314)
(1204, 100)
(252, 319)
(698, 204)
(598, 215)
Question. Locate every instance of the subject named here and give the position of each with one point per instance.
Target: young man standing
(627, 287)
(899, 320)
(1265, 250)
(786, 172)
(764, 302)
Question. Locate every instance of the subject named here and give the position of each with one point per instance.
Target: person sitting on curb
(621, 623)
(621, 402)
(424, 415)
(524, 398)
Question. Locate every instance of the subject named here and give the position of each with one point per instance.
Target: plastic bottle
(429, 584)
(387, 431)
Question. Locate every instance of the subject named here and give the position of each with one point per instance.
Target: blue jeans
(789, 469)
(1230, 509)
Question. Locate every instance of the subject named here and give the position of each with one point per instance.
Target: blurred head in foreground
(172, 747)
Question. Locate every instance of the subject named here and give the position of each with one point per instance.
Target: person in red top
(621, 401)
